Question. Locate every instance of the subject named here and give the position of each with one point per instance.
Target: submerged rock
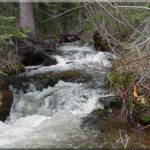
(101, 119)
(101, 116)
(6, 99)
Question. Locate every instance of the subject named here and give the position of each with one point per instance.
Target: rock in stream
(6, 99)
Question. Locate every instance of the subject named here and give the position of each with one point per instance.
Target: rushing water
(52, 117)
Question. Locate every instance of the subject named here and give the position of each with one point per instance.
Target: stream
(66, 113)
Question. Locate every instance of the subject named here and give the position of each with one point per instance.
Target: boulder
(111, 102)
(50, 61)
(35, 55)
(65, 38)
(6, 99)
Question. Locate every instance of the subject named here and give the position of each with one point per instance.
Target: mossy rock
(72, 74)
(77, 76)
(41, 81)
(145, 119)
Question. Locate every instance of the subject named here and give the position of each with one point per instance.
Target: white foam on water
(76, 48)
(37, 131)
(77, 60)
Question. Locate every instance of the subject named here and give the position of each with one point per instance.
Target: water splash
(72, 97)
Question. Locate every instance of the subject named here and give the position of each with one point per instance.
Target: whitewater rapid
(51, 118)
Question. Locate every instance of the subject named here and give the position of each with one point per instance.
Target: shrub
(9, 31)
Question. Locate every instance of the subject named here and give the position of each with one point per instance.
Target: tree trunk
(80, 24)
(27, 17)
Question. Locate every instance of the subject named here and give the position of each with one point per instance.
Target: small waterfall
(51, 117)
(64, 96)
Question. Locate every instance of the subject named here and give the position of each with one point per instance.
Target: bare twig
(65, 12)
(124, 139)
(110, 14)
(133, 61)
(135, 7)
